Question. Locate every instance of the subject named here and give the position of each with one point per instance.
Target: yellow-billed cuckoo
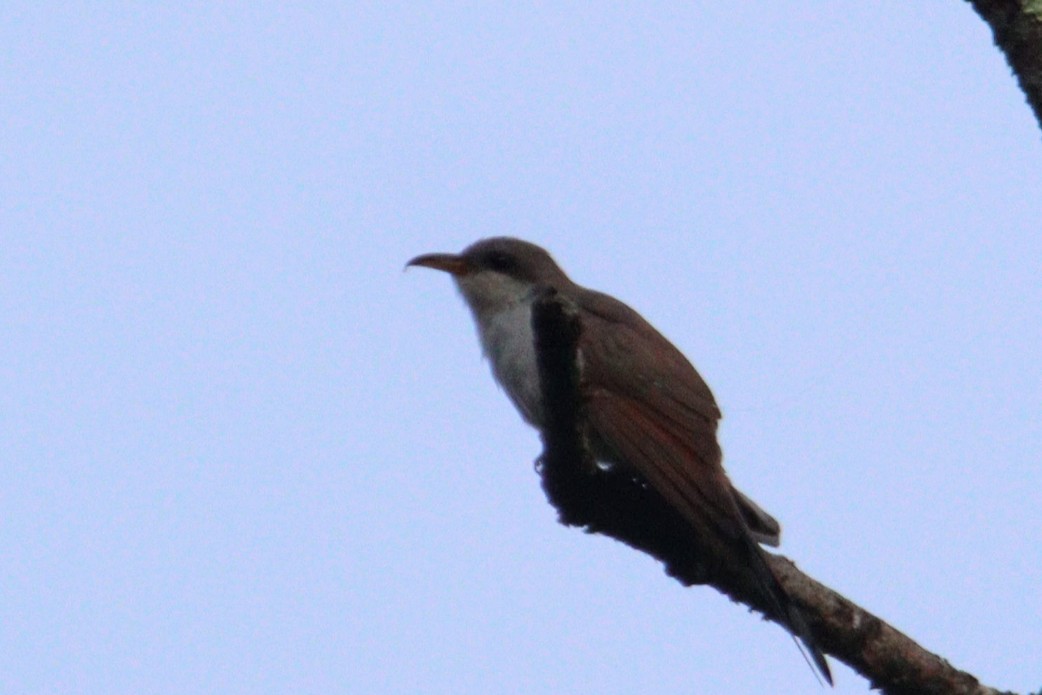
(645, 407)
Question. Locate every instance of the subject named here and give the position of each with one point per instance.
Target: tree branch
(614, 503)
(1017, 28)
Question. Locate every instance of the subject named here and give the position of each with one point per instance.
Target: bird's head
(494, 274)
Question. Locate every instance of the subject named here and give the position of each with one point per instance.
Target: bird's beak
(449, 262)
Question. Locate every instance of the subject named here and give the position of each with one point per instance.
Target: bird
(645, 407)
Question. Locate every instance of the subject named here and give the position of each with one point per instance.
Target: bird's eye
(502, 262)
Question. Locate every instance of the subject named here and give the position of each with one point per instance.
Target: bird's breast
(509, 344)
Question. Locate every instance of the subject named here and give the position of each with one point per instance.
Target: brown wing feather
(651, 410)
(654, 412)
(700, 494)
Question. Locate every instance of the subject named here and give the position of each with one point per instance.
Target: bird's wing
(647, 405)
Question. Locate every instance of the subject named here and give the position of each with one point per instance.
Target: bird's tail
(789, 614)
(810, 650)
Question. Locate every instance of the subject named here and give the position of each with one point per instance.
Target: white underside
(509, 345)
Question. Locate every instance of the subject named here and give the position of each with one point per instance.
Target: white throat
(505, 329)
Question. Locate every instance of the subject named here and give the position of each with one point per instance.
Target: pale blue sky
(242, 452)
